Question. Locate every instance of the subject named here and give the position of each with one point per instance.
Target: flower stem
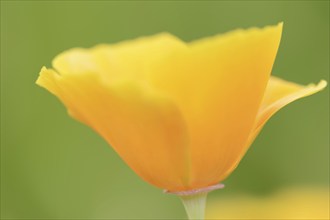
(194, 200)
(195, 205)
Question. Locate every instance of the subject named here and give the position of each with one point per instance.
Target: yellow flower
(181, 115)
(292, 203)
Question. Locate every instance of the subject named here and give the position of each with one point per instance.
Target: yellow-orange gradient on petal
(181, 115)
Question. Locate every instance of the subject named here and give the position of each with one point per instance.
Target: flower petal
(279, 93)
(146, 130)
(218, 83)
(133, 59)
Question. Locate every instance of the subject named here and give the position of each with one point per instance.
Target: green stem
(195, 205)
(194, 200)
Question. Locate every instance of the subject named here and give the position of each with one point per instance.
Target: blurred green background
(55, 167)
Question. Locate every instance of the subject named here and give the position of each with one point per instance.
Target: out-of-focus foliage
(290, 203)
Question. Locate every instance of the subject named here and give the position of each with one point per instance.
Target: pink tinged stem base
(194, 201)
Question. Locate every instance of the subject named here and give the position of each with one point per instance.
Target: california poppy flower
(181, 115)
